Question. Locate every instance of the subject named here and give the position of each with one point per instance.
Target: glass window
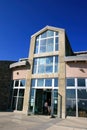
(15, 92)
(49, 60)
(41, 69)
(82, 93)
(81, 82)
(16, 83)
(49, 69)
(48, 82)
(36, 47)
(70, 81)
(40, 82)
(56, 33)
(22, 82)
(44, 35)
(33, 82)
(50, 33)
(42, 61)
(55, 82)
(21, 92)
(42, 49)
(20, 104)
(70, 93)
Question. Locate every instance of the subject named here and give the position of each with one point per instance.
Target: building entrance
(42, 96)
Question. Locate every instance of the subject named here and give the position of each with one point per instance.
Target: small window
(22, 83)
(55, 82)
(16, 83)
(48, 82)
(70, 82)
(81, 82)
(70, 93)
(33, 82)
(40, 82)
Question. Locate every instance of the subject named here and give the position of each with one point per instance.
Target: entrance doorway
(41, 97)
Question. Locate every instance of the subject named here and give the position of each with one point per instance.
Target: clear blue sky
(19, 19)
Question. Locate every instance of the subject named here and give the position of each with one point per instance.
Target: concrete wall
(76, 69)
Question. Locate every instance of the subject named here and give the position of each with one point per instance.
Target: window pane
(43, 42)
(82, 94)
(16, 83)
(56, 47)
(56, 68)
(40, 82)
(42, 49)
(15, 92)
(48, 82)
(42, 61)
(56, 40)
(56, 59)
(14, 103)
(34, 69)
(70, 82)
(41, 69)
(70, 93)
(49, 41)
(20, 104)
(56, 33)
(81, 82)
(21, 92)
(43, 35)
(50, 33)
(49, 69)
(36, 47)
(33, 82)
(49, 48)
(49, 60)
(55, 82)
(22, 82)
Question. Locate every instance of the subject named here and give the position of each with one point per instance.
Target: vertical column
(28, 77)
(62, 81)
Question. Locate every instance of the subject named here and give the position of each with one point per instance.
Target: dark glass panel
(22, 82)
(70, 93)
(81, 82)
(15, 92)
(14, 103)
(16, 83)
(48, 82)
(82, 93)
(70, 82)
(21, 92)
(55, 82)
(20, 104)
(33, 82)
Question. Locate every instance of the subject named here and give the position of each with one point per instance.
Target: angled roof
(47, 28)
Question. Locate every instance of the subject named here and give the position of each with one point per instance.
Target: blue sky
(19, 19)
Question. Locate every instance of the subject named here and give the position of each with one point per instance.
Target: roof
(47, 28)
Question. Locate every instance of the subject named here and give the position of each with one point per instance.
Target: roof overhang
(18, 64)
(75, 58)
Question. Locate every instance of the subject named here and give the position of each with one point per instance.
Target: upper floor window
(70, 81)
(45, 65)
(46, 42)
(81, 82)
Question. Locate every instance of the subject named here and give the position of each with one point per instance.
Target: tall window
(46, 42)
(18, 94)
(45, 65)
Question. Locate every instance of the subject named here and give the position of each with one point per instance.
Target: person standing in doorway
(49, 106)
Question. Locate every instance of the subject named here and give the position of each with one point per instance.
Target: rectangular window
(48, 82)
(22, 83)
(33, 82)
(70, 93)
(16, 83)
(40, 82)
(45, 65)
(55, 82)
(70, 82)
(81, 82)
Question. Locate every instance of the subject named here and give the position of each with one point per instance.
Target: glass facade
(18, 94)
(45, 65)
(76, 94)
(46, 42)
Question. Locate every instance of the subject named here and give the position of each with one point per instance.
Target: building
(52, 71)
(5, 88)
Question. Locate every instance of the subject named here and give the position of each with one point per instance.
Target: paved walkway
(16, 121)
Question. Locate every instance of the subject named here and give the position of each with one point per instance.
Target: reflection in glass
(48, 82)
(22, 83)
(55, 82)
(20, 104)
(21, 92)
(82, 93)
(70, 82)
(40, 82)
(70, 93)
(81, 82)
